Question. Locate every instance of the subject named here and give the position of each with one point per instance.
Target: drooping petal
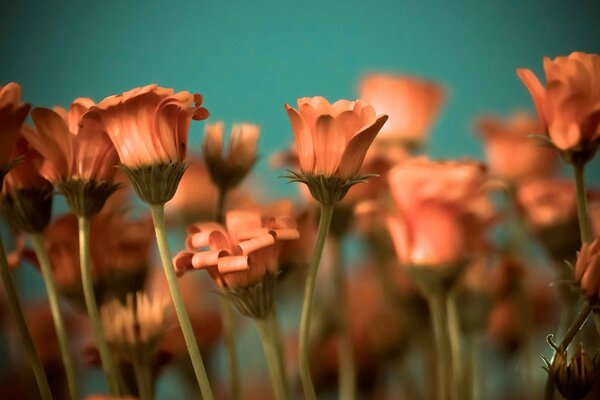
(357, 148)
(536, 90)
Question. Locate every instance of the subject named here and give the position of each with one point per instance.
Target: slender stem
(307, 303)
(227, 314)
(57, 316)
(143, 376)
(158, 216)
(439, 316)
(16, 311)
(273, 322)
(455, 347)
(347, 366)
(575, 327)
(272, 357)
(585, 226)
(475, 366)
(108, 363)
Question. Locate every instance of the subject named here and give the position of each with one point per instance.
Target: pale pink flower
(411, 103)
(12, 114)
(241, 253)
(148, 125)
(73, 149)
(332, 139)
(440, 208)
(510, 152)
(569, 104)
(587, 268)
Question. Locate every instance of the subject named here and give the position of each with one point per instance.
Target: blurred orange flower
(333, 139)
(242, 253)
(569, 104)
(72, 150)
(434, 201)
(148, 125)
(26, 174)
(510, 152)
(411, 103)
(587, 268)
(12, 114)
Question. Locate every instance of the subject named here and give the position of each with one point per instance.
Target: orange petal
(537, 92)
(303, 139)
(354, 154)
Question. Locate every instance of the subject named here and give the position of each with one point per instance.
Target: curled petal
(257, 243)
(356, 150)
(233, 264)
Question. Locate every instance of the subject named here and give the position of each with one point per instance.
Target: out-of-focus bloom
(510, 152)
(227, 169)
(74, 150)
(134, 326)
(440, 208)
(332, 139)
(241, 254)
(12, 114)
(575, 378)
(547, 202)
(411, 103)
(569, 104)
(27, 196)
(149, 124)
(587, 268)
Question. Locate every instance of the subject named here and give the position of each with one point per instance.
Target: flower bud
(573, 379)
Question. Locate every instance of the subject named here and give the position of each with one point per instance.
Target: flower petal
(356, 150)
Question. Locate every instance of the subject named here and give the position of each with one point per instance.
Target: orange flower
(332, 139)
(569, 105)
(148, 125)
(73, 150)
(440, 209)
(26, 174)
(241, 254)
(510, 153)
(12, 114)
(547, 202)
(411, 103)
(587, 268)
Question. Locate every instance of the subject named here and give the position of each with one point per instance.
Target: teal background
(249, 58)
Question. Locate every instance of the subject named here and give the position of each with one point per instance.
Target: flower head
(26, 174)
(332, 139)
(510, 151)
(569, 104)
(411, 103)
(12, 114)
(148, 125)
(440, 208)
(73, 149)
(575, 378)
(228, 169)
(587, 268)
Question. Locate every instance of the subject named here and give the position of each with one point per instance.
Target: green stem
(273, 322)
(158, 216)
(143, 376)
(439, 316)
(16, 311)
(272, 357)
(57, 316)
(455, 347)
(108, 363)
(307, 303)
(475, 366)
(347, 366)
(575, 327)
(227, 315)
(585, 226)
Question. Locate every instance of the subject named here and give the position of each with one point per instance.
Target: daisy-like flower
(510, 151)
(332, 141)
(569, 104)
(411, 103)
(12, 114)
(241, 255)
(227, 169)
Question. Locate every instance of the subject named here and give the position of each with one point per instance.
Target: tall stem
(273, 322)
(575, 327)
(455, 348)
(227, 314)
(439, 316)
(143, 376)
(347, 366)
(16, 311)
(108, 363)
(307, 303)
(158, 216)
(57, 316)
(585, 226)
(272, 357)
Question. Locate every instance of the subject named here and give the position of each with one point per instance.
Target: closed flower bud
(573, 378)
(587, 269)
